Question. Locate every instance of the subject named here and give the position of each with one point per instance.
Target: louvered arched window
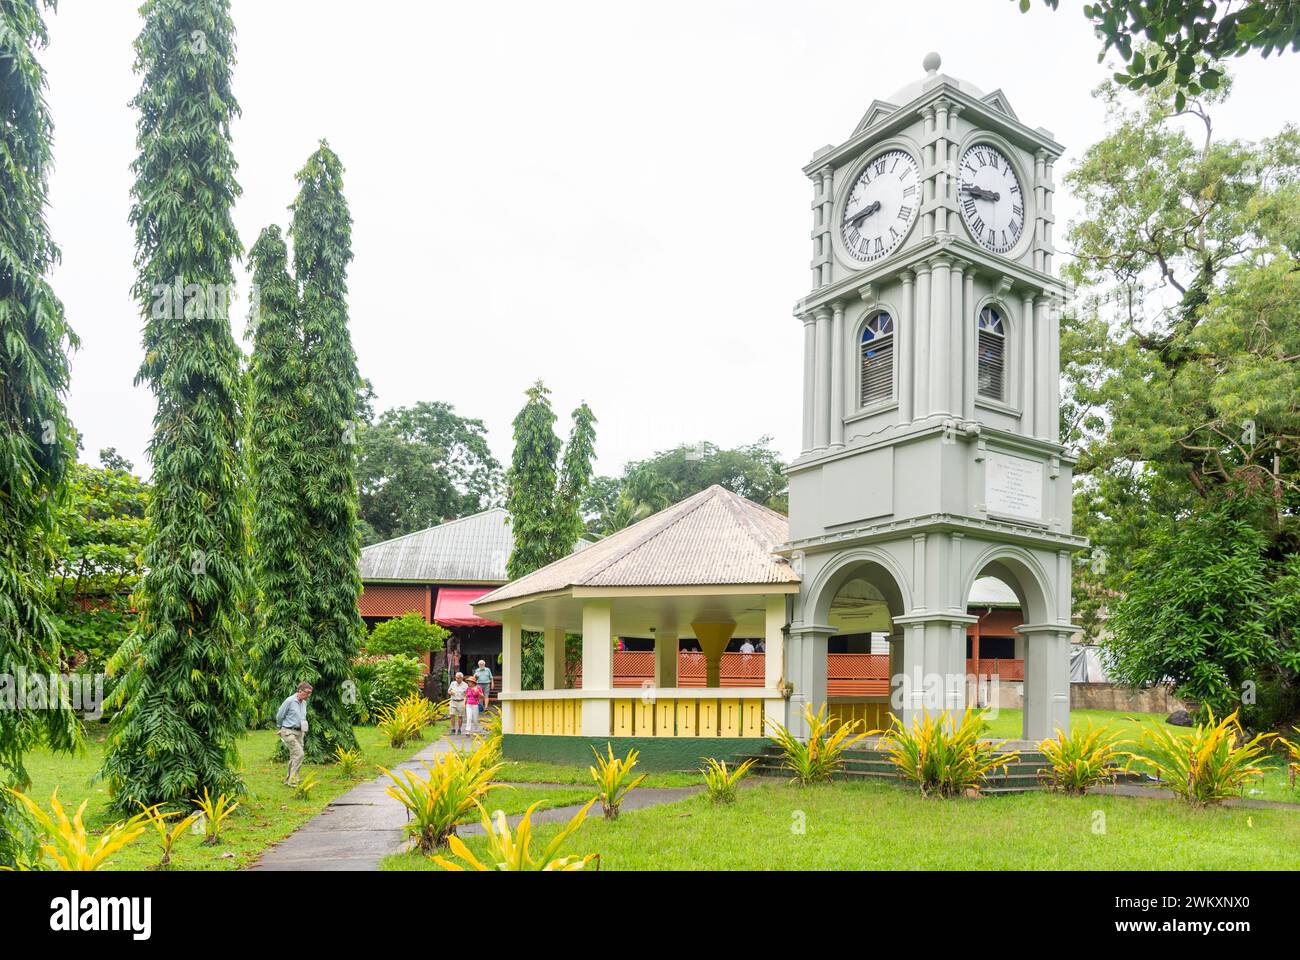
(992, 354)
(877, 378)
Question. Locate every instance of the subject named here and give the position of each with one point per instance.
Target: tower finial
(931, 63)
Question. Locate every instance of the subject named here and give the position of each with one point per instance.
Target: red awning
(453, 607)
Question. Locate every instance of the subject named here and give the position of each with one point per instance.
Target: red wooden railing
(847, 674)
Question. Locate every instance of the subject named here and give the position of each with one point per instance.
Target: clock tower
(931, 453)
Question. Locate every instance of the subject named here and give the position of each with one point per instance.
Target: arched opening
(860, 600)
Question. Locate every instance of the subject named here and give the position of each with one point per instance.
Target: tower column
(1028, 403)
(806, 659)
(957, 341)
(905, 337)
(969, 345)
(837, 376)
(930, 675)
(1047, 679)
(940, 337)
(1052, 429)
(921, 342)
(809, 380)
(822, 390)
(1044, 415)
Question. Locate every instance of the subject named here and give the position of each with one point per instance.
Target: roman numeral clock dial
(881, 205)
(992, 203)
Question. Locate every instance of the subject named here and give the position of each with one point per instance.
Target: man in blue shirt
(291, 725)
(484, 677)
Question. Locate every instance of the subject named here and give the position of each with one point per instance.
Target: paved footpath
(361, 827)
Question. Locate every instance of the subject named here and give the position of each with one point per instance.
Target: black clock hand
(980, 193)
(865, 212)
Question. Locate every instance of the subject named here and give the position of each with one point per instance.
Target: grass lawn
(267, 813)
(854, 826)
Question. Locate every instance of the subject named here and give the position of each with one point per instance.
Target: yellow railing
(646, 717)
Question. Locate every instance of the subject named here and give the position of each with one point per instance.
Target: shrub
(455, 783)
(409, 635)
(941, 757)
(721, 782)
(348, 761)
(493, 737)
(68, 844)
(1081, 759)
(363, 675)
(1214, 762)
(394, 679)
(507, 852)
(822, 754)
(215, 812)
(168, 833)
(613, 779)
(407, 719)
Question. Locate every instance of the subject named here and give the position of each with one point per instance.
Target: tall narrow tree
(575, 480)
(282, 647)
(181, 692)
(36, 440)
(331, 409)
(530, 484)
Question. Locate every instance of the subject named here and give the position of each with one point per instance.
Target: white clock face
(992, 203)
(881, 205)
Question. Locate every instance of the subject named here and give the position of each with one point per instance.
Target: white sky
(604, 194)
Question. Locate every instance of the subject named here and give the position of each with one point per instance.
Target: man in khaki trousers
(291, 725)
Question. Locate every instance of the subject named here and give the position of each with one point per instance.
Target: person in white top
(747, 647)
(456, 694)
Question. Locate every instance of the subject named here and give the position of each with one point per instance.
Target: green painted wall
(656, 753)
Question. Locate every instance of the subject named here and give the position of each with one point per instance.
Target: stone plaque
(1013, 486)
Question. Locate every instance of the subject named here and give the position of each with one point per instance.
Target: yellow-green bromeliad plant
(1080, 759)
(507, 851)
(454, 785)
(613, 776)
(1214, 762)
(942, 756)
(67, 843)
(821, 755)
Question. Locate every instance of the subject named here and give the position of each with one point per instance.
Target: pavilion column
(713, 638)
(510, 660)
(597, 666)
(553, 659)
(1047, 679)
(807, 661)
(774, 659)
(667, 645)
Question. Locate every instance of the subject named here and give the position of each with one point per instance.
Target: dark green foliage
(531, 485)
(753, 471)
(394, 677)
(281, 649)
(575, 479)
(420, 466)
(100, 546)
(331, 408)
(1182, 43)
(409, 635)
(36, 441)
(181, 691)
(1202, 606)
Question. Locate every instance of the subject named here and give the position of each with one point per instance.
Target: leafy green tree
(37, 445)
(322, 238)
(753, 471)
(181, 690)
(409, 635)
(100, 545)
(575, 479)
(1181, 44)
(1200, 605)
(531, 485)
(282, 648)
(420, 466)
(1182, 388)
